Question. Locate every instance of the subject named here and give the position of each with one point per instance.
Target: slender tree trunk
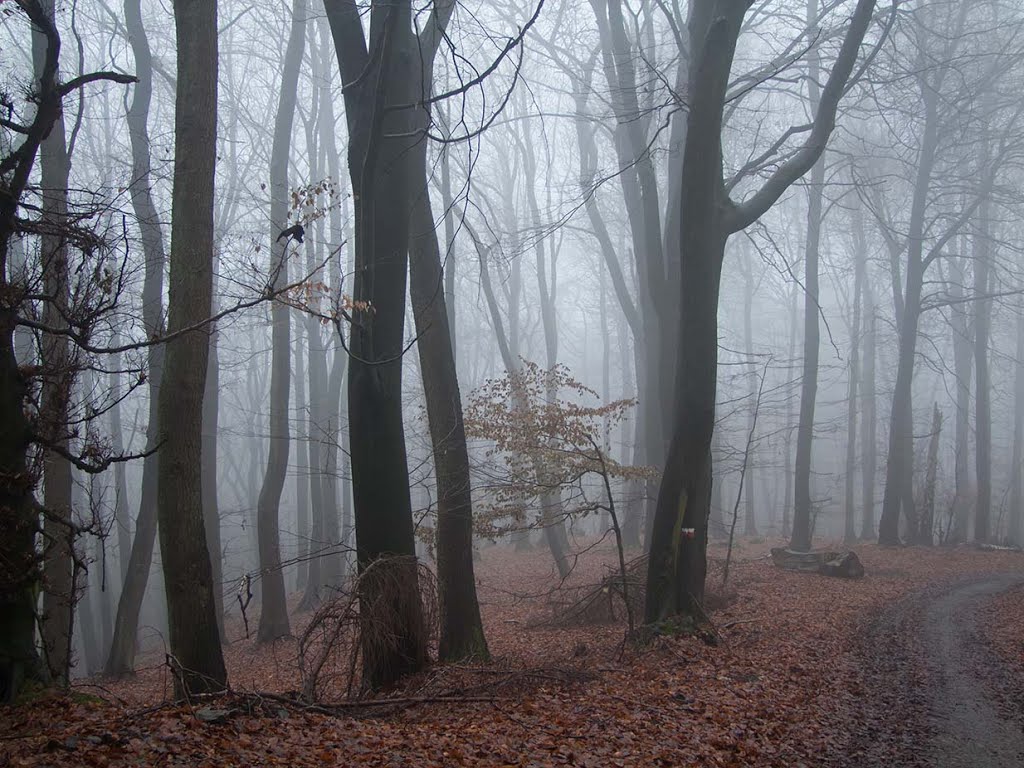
(800, 540)
(122, 519)
(749, 492)
(462, 634)
(122, 650)
(983, 399)
(57, 383)
(1016, 532)
(192, 614)
(962, 325)
(869, 437)
(849, 510)
(926, 527)
(302, 507)
(274, 609)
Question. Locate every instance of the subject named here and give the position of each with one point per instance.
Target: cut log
(844, 565)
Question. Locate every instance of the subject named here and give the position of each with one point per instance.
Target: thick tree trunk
(192, 614)
(121, 659)
(274, 608)
(379, 151)
(677, 563)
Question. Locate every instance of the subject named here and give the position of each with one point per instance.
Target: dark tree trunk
(121, 659)
(58, 380)
(677, 562)
(274, 608)
(749, 472)
(379, 151)
(211, 511)
(800, 540)
(191, 608)
(462, 634)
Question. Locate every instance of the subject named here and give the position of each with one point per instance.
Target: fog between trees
(690, 270)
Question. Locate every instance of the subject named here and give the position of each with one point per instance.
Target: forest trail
(935, 692)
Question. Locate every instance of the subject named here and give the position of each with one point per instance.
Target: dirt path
(931, 691)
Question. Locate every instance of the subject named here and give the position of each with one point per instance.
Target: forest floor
(910, 665)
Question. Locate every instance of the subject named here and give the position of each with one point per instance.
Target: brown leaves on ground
(777, 691)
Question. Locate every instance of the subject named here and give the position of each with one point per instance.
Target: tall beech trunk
(121, 659)
(749, 474)
(122, 519)
(462, 634)
(677, 563)
(849, 510)
(191, 608)
(983, 399)
(800, 540)
(380, 148)
(962, 326)
(303, 526)
(869, 417)
(57, 383)
(274, 608)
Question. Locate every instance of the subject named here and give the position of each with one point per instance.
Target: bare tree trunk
(849, 510)
(462, 634)
(678, 559)
(926, 527)
(962, 325)
(57, 383)
(1016, 532)
(800, 540)
(379, 149)
(211, 511)
(302, 507)
(192, 614)
(122, 650)
(274, 608)
(982, 402)
(869, 437)
(789, 482)
(750, 452)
